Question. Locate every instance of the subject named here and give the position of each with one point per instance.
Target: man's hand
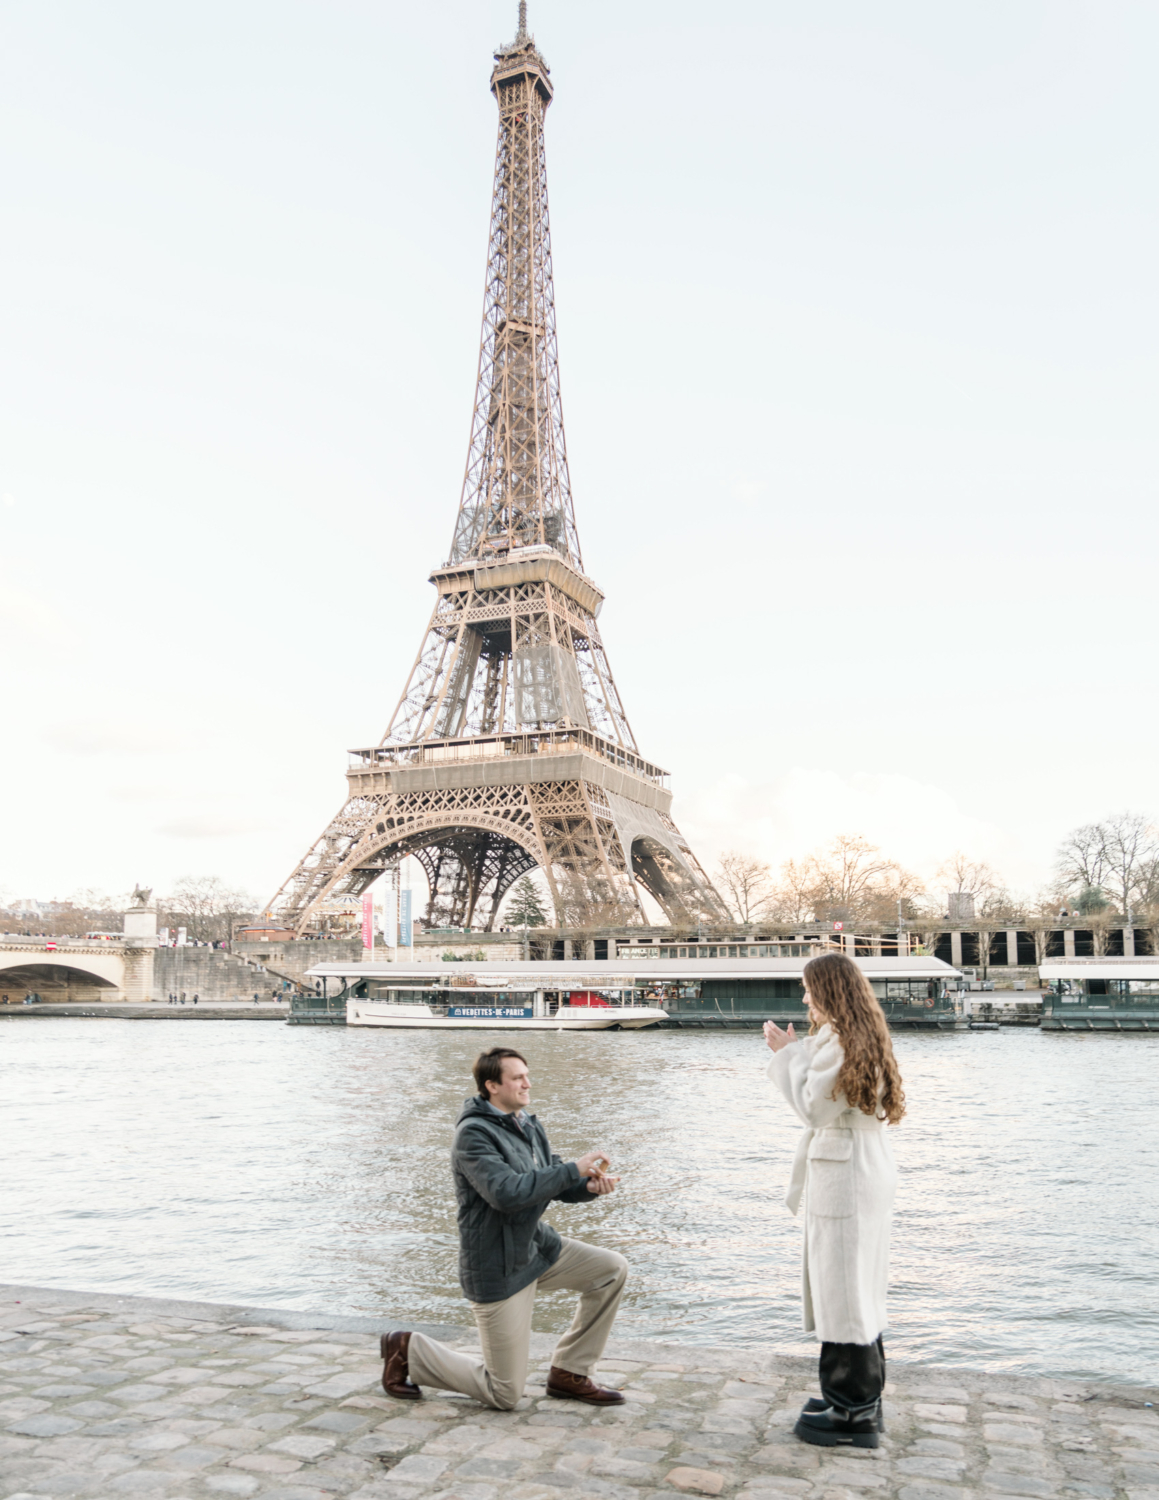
(775, 1038)
(598, 1181)
(587, 1164)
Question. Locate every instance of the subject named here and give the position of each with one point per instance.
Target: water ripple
(308, 1169)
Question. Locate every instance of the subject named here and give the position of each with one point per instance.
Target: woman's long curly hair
(869, 1076)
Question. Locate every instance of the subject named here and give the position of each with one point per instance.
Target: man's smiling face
(513, 1092)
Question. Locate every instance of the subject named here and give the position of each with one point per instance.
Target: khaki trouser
(498, 1377)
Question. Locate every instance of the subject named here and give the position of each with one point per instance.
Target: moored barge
(621, 994)
(1100, 994)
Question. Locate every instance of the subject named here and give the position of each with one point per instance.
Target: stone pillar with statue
(140, 928)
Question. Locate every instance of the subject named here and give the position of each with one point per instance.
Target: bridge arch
(469, 858)
(60, 977)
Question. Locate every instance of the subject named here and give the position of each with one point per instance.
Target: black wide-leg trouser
(853, 1376)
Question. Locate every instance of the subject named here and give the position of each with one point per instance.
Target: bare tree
(206, 907)
(997, 911)
(847, 870)
(853, 878)
(747, 884)
(1149, 883)
(1042, 917)
(975, 876)
(1081, 861)
(88, 911)
(595, 904)
(1129, 852)
(1148, 915)
(897, 898)
(993, 904)
(1116, 859)
(100, 911)
(793, 896)
(849, 880)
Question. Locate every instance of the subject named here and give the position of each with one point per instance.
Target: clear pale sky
(858, 328)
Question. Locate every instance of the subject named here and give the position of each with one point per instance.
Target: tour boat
(485, 997)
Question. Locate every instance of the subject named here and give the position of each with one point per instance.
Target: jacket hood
(478, 1106)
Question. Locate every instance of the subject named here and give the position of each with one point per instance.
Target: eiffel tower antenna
(509, 749)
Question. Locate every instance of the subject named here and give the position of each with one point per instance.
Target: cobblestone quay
(124, 1396)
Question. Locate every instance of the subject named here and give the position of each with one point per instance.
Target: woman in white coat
(843, 1082)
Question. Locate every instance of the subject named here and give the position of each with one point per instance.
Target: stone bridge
(75, 969)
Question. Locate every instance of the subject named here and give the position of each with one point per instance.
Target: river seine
(307, 1168)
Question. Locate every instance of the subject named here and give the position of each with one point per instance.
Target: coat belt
(852, 1119)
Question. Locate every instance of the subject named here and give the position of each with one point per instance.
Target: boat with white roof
(1100, 994)
(623, 994)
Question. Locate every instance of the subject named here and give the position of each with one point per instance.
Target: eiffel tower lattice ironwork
(510, 749)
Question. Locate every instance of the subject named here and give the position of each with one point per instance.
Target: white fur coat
(845, 1169)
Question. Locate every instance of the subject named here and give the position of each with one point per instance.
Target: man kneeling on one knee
(505, 1176)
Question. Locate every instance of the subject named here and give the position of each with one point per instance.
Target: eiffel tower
(510, 749)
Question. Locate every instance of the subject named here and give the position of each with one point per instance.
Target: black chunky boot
(849, 1412)
(815, 1403)
(833, 1428)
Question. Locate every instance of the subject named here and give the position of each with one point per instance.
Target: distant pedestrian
(843, 1082)
(195, 999)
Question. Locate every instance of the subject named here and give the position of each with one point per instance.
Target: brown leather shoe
(396, 1379)
(569, 1387)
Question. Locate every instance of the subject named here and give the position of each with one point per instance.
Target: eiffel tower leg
(313, 877)
(448, 878)
(502, 883)
(462, 868)
(506, 863)
(586, 866)
(664, 865)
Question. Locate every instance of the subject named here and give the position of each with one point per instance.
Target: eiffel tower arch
(509, 749)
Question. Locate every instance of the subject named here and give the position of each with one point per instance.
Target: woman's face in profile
(816, 1014)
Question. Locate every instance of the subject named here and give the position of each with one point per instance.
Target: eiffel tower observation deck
(510, 749)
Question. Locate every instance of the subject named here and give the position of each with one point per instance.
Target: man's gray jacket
(504, 1179)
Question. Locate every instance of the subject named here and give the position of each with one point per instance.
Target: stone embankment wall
(211, 974)
(292, 958)
(215, 976)
(431, 951)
